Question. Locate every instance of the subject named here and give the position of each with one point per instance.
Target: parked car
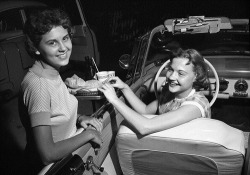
(202, 146)
(224, 43)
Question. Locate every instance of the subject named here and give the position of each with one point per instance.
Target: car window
(70, 7)
(10, 20)
(29, 10)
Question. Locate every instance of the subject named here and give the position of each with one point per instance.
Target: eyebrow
(177, 70)
(56, 39)
(182, 71)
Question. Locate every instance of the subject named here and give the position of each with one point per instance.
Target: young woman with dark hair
(48, 111)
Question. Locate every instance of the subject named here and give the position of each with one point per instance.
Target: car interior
(154, 153)
(202, 146)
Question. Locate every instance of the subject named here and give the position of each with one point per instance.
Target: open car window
(10, 20)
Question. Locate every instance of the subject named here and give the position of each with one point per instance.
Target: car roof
(7, 5)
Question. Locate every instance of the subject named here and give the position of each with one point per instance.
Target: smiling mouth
(63, 56)
(172, 84)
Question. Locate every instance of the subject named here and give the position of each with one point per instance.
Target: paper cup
(111, 73)
(102, 76)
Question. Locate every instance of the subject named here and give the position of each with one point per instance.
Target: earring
(37, 52)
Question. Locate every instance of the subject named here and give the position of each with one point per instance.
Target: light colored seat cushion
(201, 146)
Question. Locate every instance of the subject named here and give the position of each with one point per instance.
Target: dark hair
(41, 22)
(200, 67)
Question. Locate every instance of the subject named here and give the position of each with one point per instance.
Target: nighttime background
(117, 23)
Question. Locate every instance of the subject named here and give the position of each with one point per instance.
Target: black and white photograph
(124, 87)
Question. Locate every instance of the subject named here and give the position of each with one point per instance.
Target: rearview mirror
(124, 61)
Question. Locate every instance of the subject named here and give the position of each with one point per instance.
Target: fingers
(106, 87)
(93, 122)
(97, 140)
(97, 144)
(84, 125)
(97, 124)
(116, 82)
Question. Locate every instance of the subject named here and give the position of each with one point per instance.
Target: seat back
(14, 63)
(201, 146)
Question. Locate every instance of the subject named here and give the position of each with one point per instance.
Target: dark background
(117, 23)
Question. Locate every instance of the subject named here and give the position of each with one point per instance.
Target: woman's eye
(52, 43)
(181, 74)
(170, 70)
(66, 38)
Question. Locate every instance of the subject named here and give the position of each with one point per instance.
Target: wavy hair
(199, 66)
(41, 22)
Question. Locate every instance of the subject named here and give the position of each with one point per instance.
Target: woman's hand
(117, 82)
(109, 92)
(86, 121)
(95, 137)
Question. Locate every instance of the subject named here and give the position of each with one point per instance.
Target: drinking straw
(95, 64)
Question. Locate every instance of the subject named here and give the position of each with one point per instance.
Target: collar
(40, 71)
(190, 94)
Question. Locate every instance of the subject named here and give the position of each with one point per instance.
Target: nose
(172, 76)
(62, 47)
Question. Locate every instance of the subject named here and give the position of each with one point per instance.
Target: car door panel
(111, 122)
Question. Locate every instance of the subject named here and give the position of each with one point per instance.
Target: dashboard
(230, 88)
(234, 75)
(233, 72)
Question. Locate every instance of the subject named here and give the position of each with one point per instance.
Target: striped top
(194, 98)
(44, 92)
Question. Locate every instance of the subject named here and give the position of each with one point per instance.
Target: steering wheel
(217, 83)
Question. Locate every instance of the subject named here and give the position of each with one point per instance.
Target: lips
(173, 84)
(62, 56)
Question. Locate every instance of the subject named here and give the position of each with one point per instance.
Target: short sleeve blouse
(44, 92)
(194, 98)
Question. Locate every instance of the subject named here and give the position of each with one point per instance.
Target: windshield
(227, 50)
(223, 43)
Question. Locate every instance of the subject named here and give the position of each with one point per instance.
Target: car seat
(201, 146)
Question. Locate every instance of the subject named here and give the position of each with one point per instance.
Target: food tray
(90, 93)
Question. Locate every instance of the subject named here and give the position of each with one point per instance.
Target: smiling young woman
(55, 48)
(47, 110)
(180, 102)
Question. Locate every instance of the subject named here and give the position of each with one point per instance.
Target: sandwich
(78, 83)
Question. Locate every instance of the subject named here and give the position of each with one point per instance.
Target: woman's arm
(133, 100)
(147, 126)
(50, 151)
(137, 104)
(161, 122)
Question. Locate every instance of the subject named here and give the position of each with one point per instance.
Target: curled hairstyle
(41, 22)
(199, 66)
